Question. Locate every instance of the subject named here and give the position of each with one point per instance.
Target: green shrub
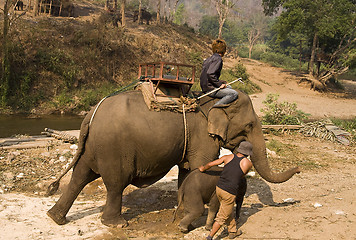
(64, 99)
(195, 58)
(280, 60)
(239, 71)
(277, 113)
(242, 51)
(59, 63)
(90, 97)
(258, 51)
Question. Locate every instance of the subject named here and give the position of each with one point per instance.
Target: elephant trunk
(260, 162)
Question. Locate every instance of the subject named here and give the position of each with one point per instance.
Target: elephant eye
(248, 127)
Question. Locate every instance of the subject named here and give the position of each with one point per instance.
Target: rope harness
(185, 134)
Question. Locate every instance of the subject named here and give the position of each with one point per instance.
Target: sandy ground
(279, 81)
(319, 203)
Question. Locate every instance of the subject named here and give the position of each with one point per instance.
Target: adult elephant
(127, 143)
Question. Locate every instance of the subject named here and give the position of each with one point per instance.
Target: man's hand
(223, 85)
(202, 168)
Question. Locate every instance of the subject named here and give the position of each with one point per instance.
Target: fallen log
(60, 135)
(278, 127)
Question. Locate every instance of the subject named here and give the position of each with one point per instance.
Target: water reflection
(21, 124)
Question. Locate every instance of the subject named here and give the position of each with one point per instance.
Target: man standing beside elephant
(209, 78)
(235, 168)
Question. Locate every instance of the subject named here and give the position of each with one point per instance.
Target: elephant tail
(84, 131)
(180, 201)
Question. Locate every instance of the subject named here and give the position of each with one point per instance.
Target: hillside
(58, 62)
(68, 64)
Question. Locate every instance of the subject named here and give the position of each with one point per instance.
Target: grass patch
(289, 155)
(348, 125)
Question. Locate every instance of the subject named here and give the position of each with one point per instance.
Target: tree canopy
(328, 26)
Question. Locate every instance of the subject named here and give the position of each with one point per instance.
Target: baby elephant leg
(192, 212)
(214, 205)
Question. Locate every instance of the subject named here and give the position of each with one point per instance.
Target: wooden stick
(217, 89)
(281, 126)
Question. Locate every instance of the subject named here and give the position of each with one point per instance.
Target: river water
(21, 124)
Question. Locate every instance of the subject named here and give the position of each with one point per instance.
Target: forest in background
(67, 64)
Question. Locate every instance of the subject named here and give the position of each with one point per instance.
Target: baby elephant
(198, 189)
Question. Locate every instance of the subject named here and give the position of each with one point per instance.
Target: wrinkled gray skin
(198, 189)
(129, 144)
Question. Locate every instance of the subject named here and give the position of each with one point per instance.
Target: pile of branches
(317, 129)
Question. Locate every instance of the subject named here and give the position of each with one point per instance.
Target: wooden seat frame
(148, 71)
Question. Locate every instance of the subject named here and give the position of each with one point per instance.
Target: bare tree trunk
(165, 11)
(139, 11)
(253, 36)
(312, 55)
(169, 12)
(174, 9)
(123, 20)
(158, 11)
(35, 8)
(221, 24)
(222, 7)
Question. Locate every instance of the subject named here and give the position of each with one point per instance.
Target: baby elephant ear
(218, 123)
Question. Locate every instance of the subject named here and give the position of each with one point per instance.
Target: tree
(123, 19)
(158, 11)
(139, 11)
(257, 25)
(327, 25)
(182, 8)
(179, 16)
(223, 7)
(209, 26)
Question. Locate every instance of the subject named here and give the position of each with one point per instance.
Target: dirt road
(319, 203)
(319, 105)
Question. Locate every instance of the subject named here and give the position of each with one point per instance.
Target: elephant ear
(218, 122)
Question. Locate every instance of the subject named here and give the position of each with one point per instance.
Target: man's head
(219, 46)
(245, 148)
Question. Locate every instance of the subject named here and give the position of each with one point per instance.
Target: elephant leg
(81, 176)
(240, 197)
(214, 205)
(112, 211)
(182, 174)
(192, 212)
